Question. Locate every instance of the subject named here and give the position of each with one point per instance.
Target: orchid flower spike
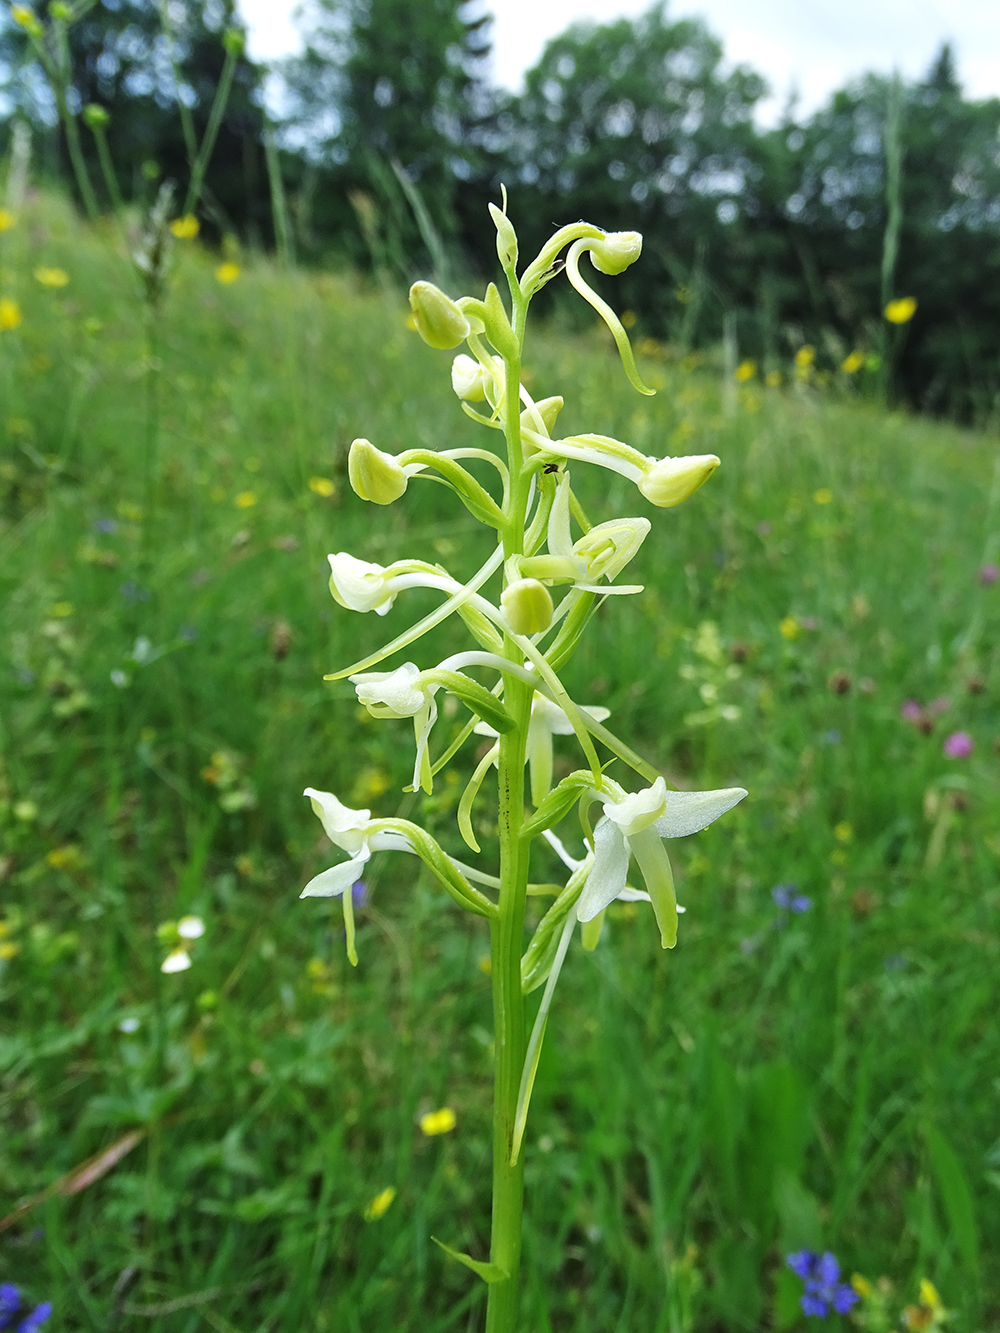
(635, 825)
(601, 553)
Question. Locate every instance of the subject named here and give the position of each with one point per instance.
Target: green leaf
(490, 1273)
(475, 696)
(558, 803)
(955, 1195)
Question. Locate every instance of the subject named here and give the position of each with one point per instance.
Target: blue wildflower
(824, 1290)
(359, 893)
(787, 896)
(106, 525)
(10, 1307)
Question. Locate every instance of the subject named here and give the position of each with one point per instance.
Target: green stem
(506, 932)
(58, 72)
(508, 1011)
(211, 132)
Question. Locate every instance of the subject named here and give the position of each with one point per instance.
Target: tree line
(392, 140)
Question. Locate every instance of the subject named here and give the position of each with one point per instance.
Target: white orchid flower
(601, 553)
(665, 482)
(635, 825)
(547, 720)
(351, 831)
(399, 693)
(359, 585)
(348, 830)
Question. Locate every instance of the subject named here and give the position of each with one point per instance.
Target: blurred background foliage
(392, 140)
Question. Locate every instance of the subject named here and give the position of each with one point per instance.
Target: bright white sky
(813, 47)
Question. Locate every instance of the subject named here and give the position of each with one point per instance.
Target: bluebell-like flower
(788, 897)
(10, 1307)
(824, 1290)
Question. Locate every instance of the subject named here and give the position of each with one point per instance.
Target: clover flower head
(959, 745)
(989, 574)
(824, 1292)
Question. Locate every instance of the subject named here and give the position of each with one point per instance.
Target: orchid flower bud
(527, 606)
(439, 321)
(96, 117)
(506, 237)
(374, 475)
(669, 481)
(616, 251)
(468, 379)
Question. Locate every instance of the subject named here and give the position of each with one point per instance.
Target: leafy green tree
(145, 78)
(388, 88)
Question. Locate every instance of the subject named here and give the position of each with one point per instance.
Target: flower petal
(341, 824)
(648, 849)
(639, 809)
(691, 811)
(607, 877)
(335, 881)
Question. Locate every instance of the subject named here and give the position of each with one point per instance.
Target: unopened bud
(468, 379)
(547, 408)
(374, 476)
(234, 40)
(616, 251)
(527, 606)
(506, 237)
(439, 321)
(96, 117)
(669, 481)
(60, 10)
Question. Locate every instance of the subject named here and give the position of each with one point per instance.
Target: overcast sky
(812, 47)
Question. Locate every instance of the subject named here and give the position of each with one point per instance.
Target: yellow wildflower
(773, 380)
(790, 628)
(52, 277)
(379, 1205)
(245, 500)
(843, 832)
(902, 310)
(7, 219)
(745, 371)
(805, 356)
(61, 609)
(228, 272)
(321, 485)
(823, 496)
(438, 1122)
(852, 364)
(10, 313)
(25, 16)
(9, 950)
(861, 1285)
(929, 1295)
(185, 228)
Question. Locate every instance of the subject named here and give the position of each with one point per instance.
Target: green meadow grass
(823, 1079)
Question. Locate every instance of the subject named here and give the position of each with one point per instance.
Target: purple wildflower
(911, 711)
(359, 893)
(824, 1291)
(782, 894)
(800, 903)
(37, 1317)
(988, 575)
(959, 745)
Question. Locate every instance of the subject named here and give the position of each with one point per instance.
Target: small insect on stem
(550, 468)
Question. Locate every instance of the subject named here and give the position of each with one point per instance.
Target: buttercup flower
(185, 228)
(52, 277)
(10, 314)
(227, 273)
(635, 825)
(380, 1205)
(901, 311)
(438, 1122)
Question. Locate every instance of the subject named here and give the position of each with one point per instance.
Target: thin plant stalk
(234, 47)
(279, 205)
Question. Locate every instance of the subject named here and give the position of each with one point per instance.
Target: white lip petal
(190, 927)
(607, 877)
(337, 880)
(337, 819)
(393, 690)
(177, 960)
(690, 811)
(358, 585)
